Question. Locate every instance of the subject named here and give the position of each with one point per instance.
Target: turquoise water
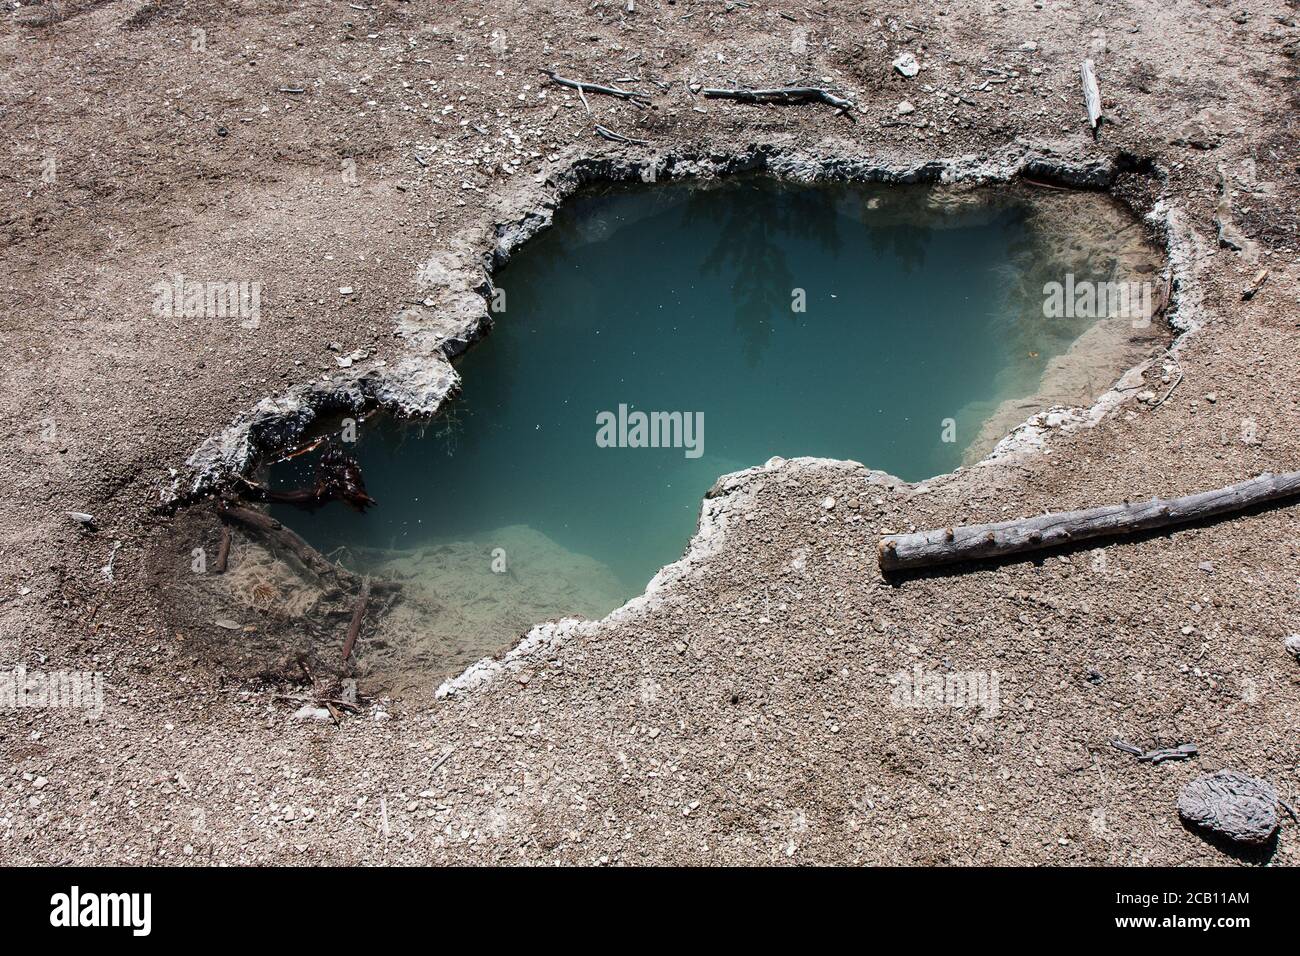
(680, 299)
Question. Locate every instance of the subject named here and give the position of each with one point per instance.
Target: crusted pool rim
(455, 283)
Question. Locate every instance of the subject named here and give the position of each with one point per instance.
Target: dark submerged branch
(358, 616)
(284, 538)
(338, 478)
(223, 551)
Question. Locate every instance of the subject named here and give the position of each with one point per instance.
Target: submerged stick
(278, 534)
(976, 542)
(223, 551)
(288, 540)
(358, 615)
(785, 95)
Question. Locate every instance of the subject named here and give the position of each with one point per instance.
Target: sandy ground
(745, 715)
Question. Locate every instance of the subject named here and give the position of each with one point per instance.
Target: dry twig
(786, 95)
(582, 86)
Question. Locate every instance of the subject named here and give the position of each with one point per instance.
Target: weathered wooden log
(1091, 94)
(1248, 293)
(785, 95)
(981, 541)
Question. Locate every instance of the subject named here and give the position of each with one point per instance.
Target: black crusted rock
(1232, 805)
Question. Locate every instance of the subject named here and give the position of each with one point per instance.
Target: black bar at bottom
(219, 906)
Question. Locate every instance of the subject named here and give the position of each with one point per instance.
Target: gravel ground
(742, 714)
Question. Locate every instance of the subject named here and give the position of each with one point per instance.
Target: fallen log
(313, 699)
(982, 541)
(1248, 293)
(786, 95)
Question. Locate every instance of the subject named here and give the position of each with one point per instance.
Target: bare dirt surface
(744, 716)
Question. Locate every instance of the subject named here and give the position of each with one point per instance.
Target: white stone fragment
(906, 64)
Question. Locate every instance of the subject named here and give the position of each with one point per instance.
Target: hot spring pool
(900, 326)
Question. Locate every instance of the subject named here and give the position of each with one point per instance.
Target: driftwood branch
(1091, 94)
(358, 615)
(976, 542)
(582, 86)
(1160, 754)
(786, 95)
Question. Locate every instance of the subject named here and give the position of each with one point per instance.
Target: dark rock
(1232, 805)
